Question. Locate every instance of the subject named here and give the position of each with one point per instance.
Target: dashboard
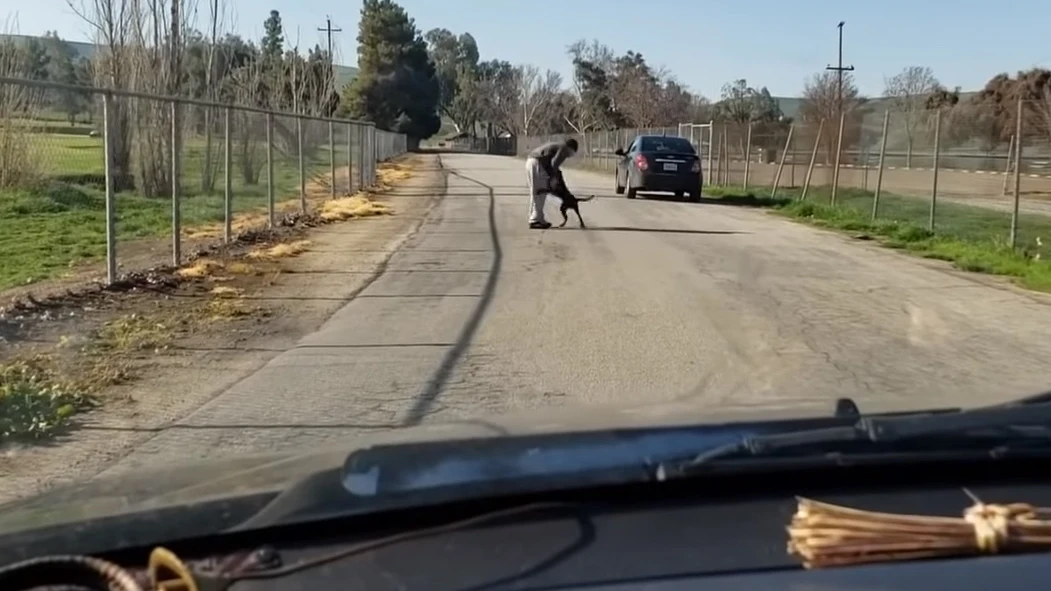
(702, 533)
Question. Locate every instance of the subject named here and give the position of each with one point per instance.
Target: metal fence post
(350, 159)
(813, 160)
(711, 146)
(332, 160)
(271, 214)
(934, 178)
(1007, 168)
(839, 153)
(361, 157)
(781, 165)
(747, 156)
(726, 155)
(228, 185)
(882, 157)
(111, 206)
(370, 154)
(302, 165)
(1018, 176)
(175, 172)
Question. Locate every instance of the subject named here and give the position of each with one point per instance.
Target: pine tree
(396, 87)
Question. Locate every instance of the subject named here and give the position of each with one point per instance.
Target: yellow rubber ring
(163, 558)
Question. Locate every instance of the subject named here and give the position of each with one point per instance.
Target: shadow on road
(441, 376)
(658, 230)
(745, 200)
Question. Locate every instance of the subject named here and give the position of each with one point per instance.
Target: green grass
(49, 228)
(971, 238)
(35, 401)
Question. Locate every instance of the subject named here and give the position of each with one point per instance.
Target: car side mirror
(619, 151)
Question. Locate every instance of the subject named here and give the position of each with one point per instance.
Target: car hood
(115, 492)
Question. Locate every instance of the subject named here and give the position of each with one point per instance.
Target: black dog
(569, 201)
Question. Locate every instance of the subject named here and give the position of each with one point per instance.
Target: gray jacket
(551, 156)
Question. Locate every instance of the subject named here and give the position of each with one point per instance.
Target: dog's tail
(588, 198)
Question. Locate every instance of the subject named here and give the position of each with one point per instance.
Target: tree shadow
(746, 200)
(656, 230)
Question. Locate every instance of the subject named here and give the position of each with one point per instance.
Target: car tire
(617, 187)
(680, 195)
(694, 197)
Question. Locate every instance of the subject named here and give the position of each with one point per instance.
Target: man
(543, 167)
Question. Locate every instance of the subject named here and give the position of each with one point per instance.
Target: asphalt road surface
(656, 301)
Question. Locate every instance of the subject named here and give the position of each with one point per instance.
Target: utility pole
(331, 58)
(839, 72)
(331, 88)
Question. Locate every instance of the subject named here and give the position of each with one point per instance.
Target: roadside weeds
(64, 356)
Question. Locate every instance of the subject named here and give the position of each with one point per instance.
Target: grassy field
(972, 238)
(60, 223)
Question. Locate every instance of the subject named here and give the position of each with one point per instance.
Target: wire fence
(949, 171)
(111, 182)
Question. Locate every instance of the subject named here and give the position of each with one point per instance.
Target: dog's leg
(577, 209)
(565, 218)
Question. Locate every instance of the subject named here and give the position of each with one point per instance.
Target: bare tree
(18, 166)
(821, 102)
(588, 105)
(635, 88)
(249, 86)
(535, 92)
(159, 30)
(499, 91)
(208, 167)
(111, 21)
(908, 92)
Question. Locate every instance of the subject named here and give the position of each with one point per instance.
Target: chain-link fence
(129, 168)
(958, 171)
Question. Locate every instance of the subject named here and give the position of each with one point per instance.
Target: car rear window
(672, 144)
(667, 144)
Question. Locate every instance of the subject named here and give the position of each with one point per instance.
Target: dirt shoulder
(129, 363)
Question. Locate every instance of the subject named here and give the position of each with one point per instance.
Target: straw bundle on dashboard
(826, 535)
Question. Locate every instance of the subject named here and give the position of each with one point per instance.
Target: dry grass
(133, 332)
(391, 173)
(280, 251)
(217, 271)
(229, 308)
(223, 291)
(200, 268)
(355, 206)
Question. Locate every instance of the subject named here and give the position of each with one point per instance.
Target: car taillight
(696, 166)
(640, 162)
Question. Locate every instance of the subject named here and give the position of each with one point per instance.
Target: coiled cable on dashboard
(67, 570)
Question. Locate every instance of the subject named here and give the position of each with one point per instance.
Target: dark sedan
(659, 164)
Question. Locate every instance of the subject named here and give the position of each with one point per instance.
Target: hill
(790, 105)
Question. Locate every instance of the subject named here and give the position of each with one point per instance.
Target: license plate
(671, 167)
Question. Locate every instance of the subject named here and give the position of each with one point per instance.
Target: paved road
(657, 301)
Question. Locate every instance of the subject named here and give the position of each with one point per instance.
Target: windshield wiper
(1027, 422)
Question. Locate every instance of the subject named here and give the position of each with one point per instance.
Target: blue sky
(705, 43)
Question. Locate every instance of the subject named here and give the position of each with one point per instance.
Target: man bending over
(544, 167)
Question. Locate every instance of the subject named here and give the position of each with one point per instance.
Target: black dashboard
(725, 532)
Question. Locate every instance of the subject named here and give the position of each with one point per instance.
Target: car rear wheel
(617, 187)
(680, 194)
(694, 197)
(632, 192)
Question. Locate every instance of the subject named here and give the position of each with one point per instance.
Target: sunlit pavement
(656, 301)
